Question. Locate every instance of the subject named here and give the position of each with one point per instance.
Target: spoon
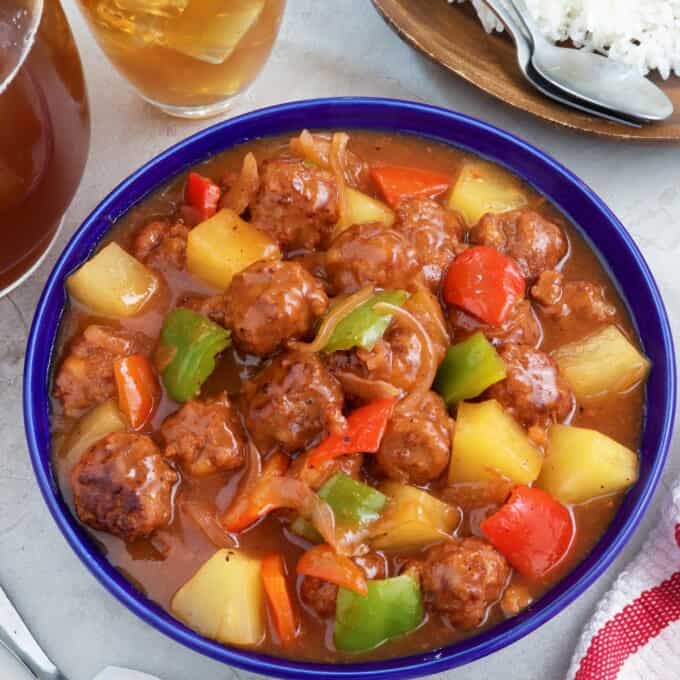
(523, 44)
(15, 636)
(594, 78)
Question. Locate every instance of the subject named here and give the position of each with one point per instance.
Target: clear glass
(45, 132)
(189, 58)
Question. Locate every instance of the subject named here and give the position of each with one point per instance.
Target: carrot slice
(324, 563)
(398, 183)
(278, 597)
(138, 389)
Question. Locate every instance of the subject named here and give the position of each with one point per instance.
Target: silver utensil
(522, 42)
(16, 637)
(593, 77)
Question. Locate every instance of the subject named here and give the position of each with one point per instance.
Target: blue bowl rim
(38, 364)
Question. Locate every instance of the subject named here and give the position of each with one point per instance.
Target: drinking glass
(44, 131)
(187, 57)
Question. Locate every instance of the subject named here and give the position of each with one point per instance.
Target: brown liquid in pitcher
(44, 138)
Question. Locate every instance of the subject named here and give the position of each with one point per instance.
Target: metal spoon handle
(519, 33)
(524, 22)
(18, 639)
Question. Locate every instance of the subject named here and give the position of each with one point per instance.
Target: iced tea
(44, 135)
(189, 57)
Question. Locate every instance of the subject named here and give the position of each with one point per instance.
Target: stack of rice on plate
(642, 33)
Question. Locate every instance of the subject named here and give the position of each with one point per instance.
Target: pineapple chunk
(582, 464)
(224, 599)
(487, 442)
(412, 519)
(92, 427)
(483, 187)
(361, 208)
(601, 364)
(113, 283)
(224, 245)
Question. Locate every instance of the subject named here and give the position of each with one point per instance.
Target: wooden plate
(452, 36)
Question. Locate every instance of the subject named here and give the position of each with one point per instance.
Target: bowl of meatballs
(349, 386)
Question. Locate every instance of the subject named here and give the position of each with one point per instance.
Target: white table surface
(325, 49)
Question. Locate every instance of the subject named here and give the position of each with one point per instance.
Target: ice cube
(209, 32)
(159, 8)
(137, 30)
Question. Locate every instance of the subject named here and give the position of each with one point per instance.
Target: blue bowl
(602, 229)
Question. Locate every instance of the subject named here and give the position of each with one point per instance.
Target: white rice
(642, 33)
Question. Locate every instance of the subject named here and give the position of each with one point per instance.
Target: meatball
(435, 233)
(534, 242)
(321, 595)
(577, 300)
(316, 477)
(397, 357)
(212, 306)
(206, 436)
(462, 578)
(417, 442)
(161, 243)
(355, 170)
(272, 302)
(123, 485)
(292, 403)
(297, 204)
(521, 326)
(85, 377)
(534, 392)
(370, 254)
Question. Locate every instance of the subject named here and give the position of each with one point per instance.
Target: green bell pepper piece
(393, 606)
(306, 530)
(354, 504)
(194, 341)
(364, 326)
(468, 369)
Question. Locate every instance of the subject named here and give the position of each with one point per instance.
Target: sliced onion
(314, 148)
(286, 492)
(338, 161)
(365, 388)
(244, 189)
(334, 317)
(432, 308)
(246, 488)
(428, 366)
(206, 520)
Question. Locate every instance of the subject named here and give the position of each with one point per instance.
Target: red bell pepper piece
(203, 194)
(532, 530)
(138, 389)
(278, 597)
(398, 183)
(362, 434)
(485, 283)
(323, 562)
